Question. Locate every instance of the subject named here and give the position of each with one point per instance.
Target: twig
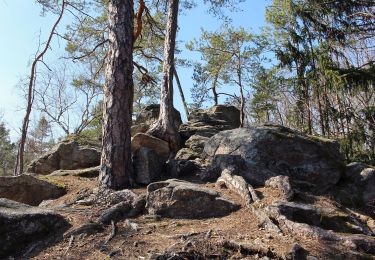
(70, 244)
(113, 232)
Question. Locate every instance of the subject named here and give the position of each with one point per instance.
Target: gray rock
(316, 220)
(67, 155)
(122, 210)
(268, 151)
(180, 199)
(357, 187)
(208, 122)
(148, 166)
(150, 114)
(28, 189)
(196, 143)
(281, 183)
(21, 225)
(106, 197)
(186, 154)
(159, 146)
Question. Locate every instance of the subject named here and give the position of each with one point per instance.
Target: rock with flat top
(28, 189)
(22, 225)
(67, 155)
(180, 199)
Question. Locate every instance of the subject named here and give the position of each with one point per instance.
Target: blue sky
(21, 25)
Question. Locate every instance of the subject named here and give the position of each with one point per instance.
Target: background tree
(18, 169)
(7, 151)
(230, 56)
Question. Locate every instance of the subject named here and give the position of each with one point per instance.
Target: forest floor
(145, 236)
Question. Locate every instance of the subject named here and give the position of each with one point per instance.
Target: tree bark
(18, 169)
(164, 127)
(116, 170)
(242, 104)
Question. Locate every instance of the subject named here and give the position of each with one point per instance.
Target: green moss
(51, 180)
(85, 138)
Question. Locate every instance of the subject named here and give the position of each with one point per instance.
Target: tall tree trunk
(164, 128)
(116, 171)
(18, 169)
(181, 92)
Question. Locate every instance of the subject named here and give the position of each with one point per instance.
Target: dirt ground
(146, 236)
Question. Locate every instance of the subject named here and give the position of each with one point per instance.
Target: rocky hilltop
(262, 192)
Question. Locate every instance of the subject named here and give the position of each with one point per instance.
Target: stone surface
(148, 116)
(186, 154)
(106, 197)
(160, 147)
(67, 155)
(28, 189)
(268, 151)
(316, 220)
(196, 143)
(208, 122)
(357, 187)
(180, 199)
(21, 225)
(281, 183)
(148, 166)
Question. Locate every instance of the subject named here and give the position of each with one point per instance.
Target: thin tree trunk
(181, 92)
(18, 169)
(214, 92)
(242, 105)
(321, 117)
(116, 171)
(164, 126)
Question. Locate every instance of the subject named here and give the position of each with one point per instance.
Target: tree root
(238, 185)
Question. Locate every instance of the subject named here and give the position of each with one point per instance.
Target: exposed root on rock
(239, 185)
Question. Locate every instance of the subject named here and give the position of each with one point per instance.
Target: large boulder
(357, 187)
(149, 157)
(67, 155)
(267, 151)
(149, 115)
(29, 190)
(159, 146)
(21, 225)
(148, 166)
(180, 199)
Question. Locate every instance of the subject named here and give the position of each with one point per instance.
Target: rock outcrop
(22, 225)
(180, 199)
(357, 187)
(28, 189)
(208, 122)
(148, 116)
(267, 151)
(67, 155)
(195, 133)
